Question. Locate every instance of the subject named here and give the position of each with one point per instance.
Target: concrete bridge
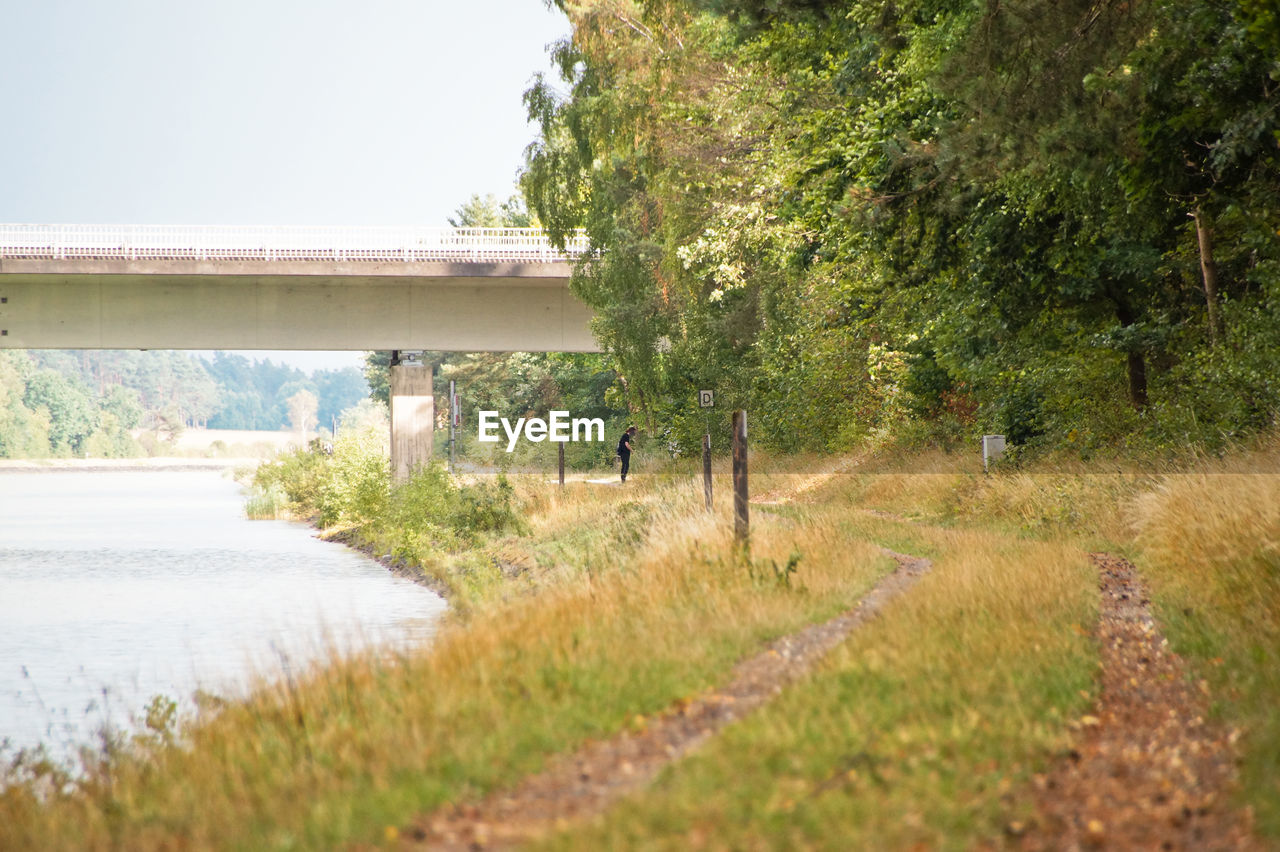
(325, 288)
(155, 287)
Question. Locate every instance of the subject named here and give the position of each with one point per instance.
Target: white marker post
(992, 449)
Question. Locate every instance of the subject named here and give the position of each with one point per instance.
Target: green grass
(920, 729)
(924, 727)
(343, 752)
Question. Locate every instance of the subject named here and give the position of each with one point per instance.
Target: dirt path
(588, 782)
(1149, 771)
(783, 495)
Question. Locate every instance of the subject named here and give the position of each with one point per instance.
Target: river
(119, 586)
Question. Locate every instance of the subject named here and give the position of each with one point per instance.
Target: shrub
(357, 485)
(351, 488)
(298, 475)
(487, 507)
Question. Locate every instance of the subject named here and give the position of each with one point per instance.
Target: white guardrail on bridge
(321, 243)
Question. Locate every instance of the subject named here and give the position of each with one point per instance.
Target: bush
(357, 487)
(351, 488)
(1221, 394)
(487, 507)
(298, 475)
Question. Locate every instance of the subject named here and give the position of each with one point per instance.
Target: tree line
(1054, 219)
(93, 402)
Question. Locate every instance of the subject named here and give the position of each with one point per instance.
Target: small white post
(992, 449)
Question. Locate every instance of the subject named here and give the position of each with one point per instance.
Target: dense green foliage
(44, 412)
(347, 488)
(255, 394)
(86, 402)
(1055, 220)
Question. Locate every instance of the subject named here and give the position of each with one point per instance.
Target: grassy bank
(917, 731)
(346, 750)
(1206, 534)
(597, 606)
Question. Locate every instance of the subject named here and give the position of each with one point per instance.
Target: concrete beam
(114, 304)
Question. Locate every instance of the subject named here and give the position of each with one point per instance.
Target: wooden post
(741, 509)
(560, 444)
(706, 468)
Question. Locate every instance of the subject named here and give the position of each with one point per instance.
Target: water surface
(117, 586)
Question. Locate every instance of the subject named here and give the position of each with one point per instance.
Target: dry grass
(917, 731)
(347, 749)
(924, 728)
(1212, 548)
(1205, 531)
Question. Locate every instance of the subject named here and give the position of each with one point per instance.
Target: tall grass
(916, 733)
(266, 504)
(1212, 548)
(343, 751)
(1205, 532)
(925, 727)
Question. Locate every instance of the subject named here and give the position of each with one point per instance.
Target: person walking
(624, 450)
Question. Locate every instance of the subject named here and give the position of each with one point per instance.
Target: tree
(302, 412)
(23, 433)
(66, 403)
(173, 382)
(488, 212)
(377, 374)
(338, 390)
(1022, 214)
(122, 403)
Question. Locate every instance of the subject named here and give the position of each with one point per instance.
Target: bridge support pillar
(412, 419)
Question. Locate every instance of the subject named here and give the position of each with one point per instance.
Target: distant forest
(89, 402)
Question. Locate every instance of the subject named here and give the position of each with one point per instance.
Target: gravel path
(1149, 771)
(588, 782)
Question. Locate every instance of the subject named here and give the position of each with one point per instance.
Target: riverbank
(193, 449)
(935, 724)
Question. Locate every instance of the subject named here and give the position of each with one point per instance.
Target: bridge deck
(86, 287)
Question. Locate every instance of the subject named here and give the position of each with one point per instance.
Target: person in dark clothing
(624, 450)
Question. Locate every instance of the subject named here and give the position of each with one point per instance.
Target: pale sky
(264, 112)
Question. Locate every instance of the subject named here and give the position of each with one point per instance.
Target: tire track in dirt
(586, 783)
(783, 495)
(1149, 771)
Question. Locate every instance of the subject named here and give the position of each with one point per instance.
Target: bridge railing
(320, 243)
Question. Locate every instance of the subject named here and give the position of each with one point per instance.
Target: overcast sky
(298, 112)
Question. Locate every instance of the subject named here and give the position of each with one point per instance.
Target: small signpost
(560, 444)
(706, 399)
(706, 470)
